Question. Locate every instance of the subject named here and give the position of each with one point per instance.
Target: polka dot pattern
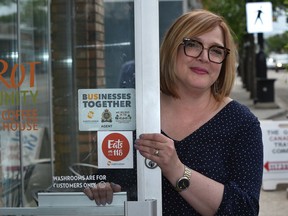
(228, 149)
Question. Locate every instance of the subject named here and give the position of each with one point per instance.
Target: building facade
(52, 52)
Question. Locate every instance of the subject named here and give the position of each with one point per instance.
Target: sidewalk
(243, 96)
(272, 203)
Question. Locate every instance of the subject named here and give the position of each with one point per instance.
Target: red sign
(115, 147)
(276, 166)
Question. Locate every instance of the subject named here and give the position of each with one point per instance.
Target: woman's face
(197, 74)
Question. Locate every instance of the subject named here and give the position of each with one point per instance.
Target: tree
(277, 43)
(234, 11)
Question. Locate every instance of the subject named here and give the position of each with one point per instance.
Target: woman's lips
(199, 70)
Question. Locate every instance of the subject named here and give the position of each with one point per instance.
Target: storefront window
(54, 54)
(53, 49)
(24, 101)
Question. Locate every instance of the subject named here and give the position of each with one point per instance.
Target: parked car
(271, 64)
(277, 61)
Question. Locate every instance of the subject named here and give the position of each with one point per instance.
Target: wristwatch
(184, 182)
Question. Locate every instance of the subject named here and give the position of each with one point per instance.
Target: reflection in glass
(91, 41)
(24, 102)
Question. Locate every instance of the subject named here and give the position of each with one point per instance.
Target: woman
(210, 150)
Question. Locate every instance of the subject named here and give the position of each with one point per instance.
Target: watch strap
(187, 173)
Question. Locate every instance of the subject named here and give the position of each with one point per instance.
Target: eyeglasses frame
(226, 50)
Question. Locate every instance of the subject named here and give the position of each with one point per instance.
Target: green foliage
(35, 10)
(10, 17)
(234, 13)
(32, 12)
(6, 2)
(277, 43)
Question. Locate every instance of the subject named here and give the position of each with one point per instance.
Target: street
(274, 203)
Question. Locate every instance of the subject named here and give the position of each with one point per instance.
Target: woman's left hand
(161, 150)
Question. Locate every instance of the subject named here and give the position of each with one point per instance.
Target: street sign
(275, 141)
(259, 17)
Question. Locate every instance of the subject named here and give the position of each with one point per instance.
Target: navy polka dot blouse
(228, 149)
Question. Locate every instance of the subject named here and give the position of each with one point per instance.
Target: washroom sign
(107, 109)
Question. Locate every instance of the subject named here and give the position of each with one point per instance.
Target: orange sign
(12, 94)
(115, 149)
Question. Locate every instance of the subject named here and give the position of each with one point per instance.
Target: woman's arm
(242, 192)
(203, 194)
(239, 195)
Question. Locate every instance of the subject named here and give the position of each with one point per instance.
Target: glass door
(25, 127)
(83, 78)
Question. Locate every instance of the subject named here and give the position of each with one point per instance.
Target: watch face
(183, 183)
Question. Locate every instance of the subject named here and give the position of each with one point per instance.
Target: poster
(115, 149)
(275, 164)
(106, 109)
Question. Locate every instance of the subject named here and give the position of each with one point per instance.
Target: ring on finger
(156, 152)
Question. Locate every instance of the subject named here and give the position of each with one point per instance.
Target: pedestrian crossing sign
(259, 17)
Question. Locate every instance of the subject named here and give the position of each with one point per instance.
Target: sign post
(260, 20)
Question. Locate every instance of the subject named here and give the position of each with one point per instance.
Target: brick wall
(77, 43)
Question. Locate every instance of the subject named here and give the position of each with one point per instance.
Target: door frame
(147, 93)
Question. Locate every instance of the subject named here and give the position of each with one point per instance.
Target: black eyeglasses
(194, 48)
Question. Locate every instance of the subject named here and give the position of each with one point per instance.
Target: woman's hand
(102, 193)
(161, 150)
